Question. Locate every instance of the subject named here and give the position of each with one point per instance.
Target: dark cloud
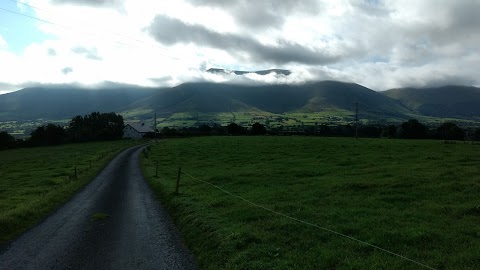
(88, 53)
(92, 3)
(262, 14)
(67, 70)
(171, 31)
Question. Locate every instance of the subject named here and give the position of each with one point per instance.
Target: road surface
(114, 223)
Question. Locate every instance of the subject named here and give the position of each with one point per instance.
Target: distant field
(419, 199)
(34, 181)
(179, 120)
(22, 129)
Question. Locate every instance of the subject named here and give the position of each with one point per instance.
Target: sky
(380, 44)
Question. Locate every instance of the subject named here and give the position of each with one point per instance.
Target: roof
(140, 127)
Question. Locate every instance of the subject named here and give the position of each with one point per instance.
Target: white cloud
(380, 44)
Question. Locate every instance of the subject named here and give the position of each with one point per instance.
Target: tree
(96, 126)
(389, 131)
(234, 129)
(6, 140)
(204, 129)
(48, 135)
(369, 131)
(169, 132)
(412, 129)
(258, 129)
(450, 131)
(324, 130)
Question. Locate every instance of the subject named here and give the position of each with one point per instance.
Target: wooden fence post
(178, 180)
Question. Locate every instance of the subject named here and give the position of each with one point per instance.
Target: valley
(330, 103)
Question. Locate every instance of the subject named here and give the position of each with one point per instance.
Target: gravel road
(113, 223)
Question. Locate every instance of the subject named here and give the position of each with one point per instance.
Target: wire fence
(302, 221)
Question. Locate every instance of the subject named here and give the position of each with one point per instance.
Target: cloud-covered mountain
(305, 98)
(276, 71)
(325, 96)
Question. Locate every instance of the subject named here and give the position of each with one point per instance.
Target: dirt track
(114, 223)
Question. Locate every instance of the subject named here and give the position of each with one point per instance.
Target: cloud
(7, 88)
(92, 3)
(51, 52)
(91, 54)
(170, 31)
(262, 14)
(378, 43)
(67, 70)
(161, 80)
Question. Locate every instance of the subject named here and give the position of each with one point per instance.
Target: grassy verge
(35, 181)
(415, 198)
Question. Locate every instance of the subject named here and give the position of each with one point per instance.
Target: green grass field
(419, 199)
(35, 181)
(179, 120)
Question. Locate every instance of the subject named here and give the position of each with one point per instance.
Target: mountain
(60, 102)
(191, 97)
(310, 97)
(324, 98)
(446, 102)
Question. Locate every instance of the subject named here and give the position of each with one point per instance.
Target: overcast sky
(380, 44)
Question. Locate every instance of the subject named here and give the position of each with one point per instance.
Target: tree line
(92, 127)
(109, 126)
(411, 129)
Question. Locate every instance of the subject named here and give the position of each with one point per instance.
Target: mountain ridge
(64, 102)
(439, 101)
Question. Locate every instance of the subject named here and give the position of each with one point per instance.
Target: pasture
(35, 181)
(417, 199)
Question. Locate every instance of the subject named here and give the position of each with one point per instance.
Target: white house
(136, 130)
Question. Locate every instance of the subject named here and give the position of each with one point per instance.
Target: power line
(309, 223)
(104, 30)
(28, 5)
(52, 23)
(28, 16)
(90, 33)
(96, 34)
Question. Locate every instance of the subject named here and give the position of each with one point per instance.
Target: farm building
(136, 130)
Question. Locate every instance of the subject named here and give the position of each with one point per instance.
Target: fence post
(178, 180)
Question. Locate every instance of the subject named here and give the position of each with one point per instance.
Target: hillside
(445, 102)
(305, 98)
(59, 102)
(309, 103)
(192, 97)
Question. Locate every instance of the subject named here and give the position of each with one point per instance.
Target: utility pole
(356, 120)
